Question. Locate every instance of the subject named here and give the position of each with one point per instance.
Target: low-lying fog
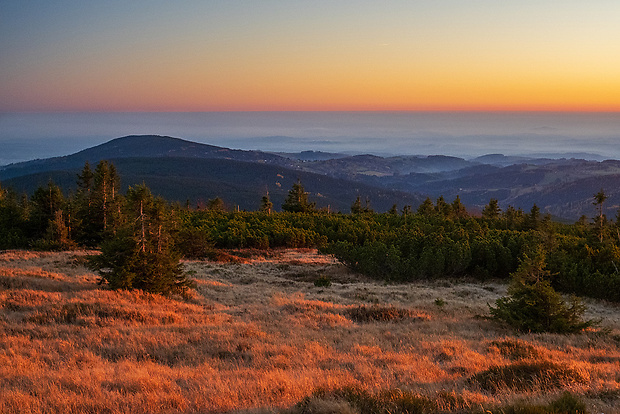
(26, 136)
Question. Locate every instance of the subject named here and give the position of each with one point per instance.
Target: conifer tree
(491, 210)
(599, 199)
(102, 193)
(13, 219)
(85, 179)
(45, 202)
(98, 203)
(406, 211)
(513, 217)
(458, 209)
(141, 255)
(617, 224)
(427, 208)
(533, 218)
(57, 235)
(216, 204)
(297, 200)
(442, 208)
(356, 207)
(532, 305)
(266, 205)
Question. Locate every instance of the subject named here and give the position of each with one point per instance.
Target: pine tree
(442, 208)
(266, 205)
(406, 211)
(84, 211)
(356, 207)
(102, 193)
(617, 225)
(98, 203)
(297, 200)
(85, 179)
(140, 255)
(57, 234)
(513, 217)
(599, 199)
(216, 204)
(491, 210)
(427, 208)
(13, 220)
(45, 202)
(533, 218)
(458, 209)
(532, 305)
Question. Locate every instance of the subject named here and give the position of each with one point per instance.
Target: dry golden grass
(257, 334)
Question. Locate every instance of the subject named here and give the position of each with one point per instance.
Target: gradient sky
(140, 55)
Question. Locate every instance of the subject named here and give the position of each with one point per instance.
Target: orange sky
(271, 55)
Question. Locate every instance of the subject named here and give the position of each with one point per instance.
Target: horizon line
(498, 111)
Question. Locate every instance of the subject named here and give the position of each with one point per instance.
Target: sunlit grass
(257, 333)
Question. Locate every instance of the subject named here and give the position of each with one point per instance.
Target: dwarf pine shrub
(532, 305)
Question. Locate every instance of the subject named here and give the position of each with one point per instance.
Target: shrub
(532, 305)
(124, 265)
(194, 243)
(323, 281)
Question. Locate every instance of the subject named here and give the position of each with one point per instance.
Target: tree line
(140, 235)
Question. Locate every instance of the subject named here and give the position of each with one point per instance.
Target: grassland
(257, 335)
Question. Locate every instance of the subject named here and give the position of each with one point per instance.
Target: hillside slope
(142, 146)
(238, 183)
(562, 187)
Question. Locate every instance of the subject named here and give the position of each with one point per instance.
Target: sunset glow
(395, 55)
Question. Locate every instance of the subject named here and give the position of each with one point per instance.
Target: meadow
(286, 331)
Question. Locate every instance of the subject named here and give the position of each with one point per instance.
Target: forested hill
(139, 146)
(239, 183)
(562, 187)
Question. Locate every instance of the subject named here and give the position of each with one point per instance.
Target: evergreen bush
(532, 305)
(140, 255)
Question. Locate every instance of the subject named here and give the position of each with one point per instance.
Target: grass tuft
(357, 400)
(395, 401)
(526, 376)
(379, 313)
(515, 349)
(566, 404)
(76, 312)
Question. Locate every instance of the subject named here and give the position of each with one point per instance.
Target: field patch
(259, 334)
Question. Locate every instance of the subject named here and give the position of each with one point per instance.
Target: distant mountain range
(183, 170)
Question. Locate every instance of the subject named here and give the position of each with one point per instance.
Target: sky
(289, 55)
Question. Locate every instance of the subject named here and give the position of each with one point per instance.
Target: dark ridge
(238, 183)
(147, 146)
